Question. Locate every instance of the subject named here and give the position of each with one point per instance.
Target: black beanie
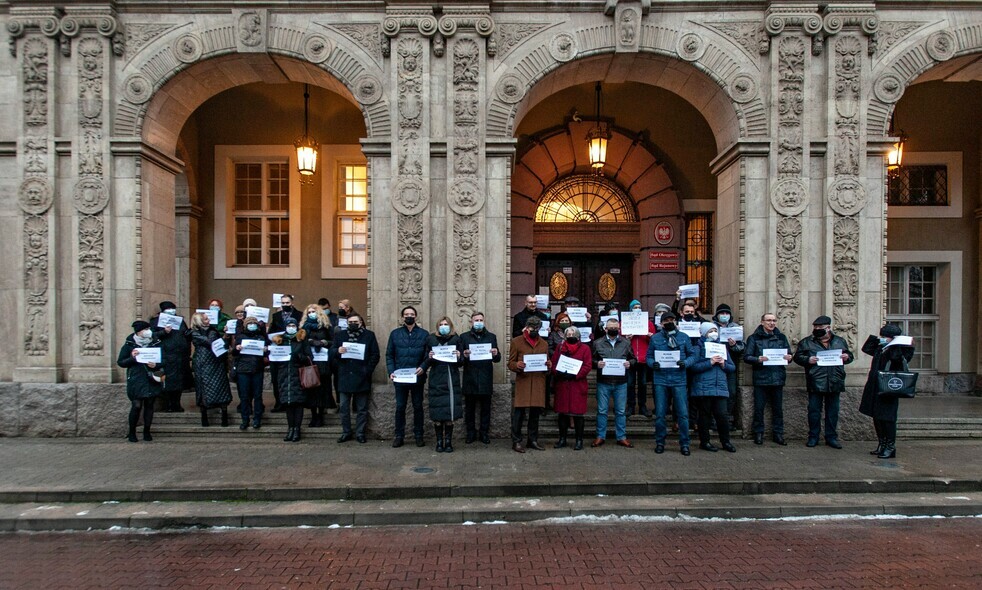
(723, 307)
(140, 325)
(167, 305)
(890, 331)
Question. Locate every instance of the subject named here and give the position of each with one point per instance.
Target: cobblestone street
(912, 553)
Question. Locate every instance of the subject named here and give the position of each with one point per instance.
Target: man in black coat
(278, 324)
(518, 322)
(768, 379)
(175, 345)
(355, 375)
(478, 383)
(824, 382)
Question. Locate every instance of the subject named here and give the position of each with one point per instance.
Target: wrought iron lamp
(307, 147)
(597, 140)
(895, 157)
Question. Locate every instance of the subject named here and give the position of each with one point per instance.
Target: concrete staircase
(944, 417)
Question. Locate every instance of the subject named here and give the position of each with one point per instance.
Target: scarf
(310, 325)
(141, 341)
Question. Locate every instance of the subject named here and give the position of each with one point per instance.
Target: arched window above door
(585, 198)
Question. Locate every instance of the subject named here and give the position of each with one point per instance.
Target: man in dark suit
(278, 324)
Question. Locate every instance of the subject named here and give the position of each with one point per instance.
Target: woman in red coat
(571, 389)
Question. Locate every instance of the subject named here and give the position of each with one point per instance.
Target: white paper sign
(342, 323)
(354, 350)
(604, 318)
(544, 329)
(231, 326)
(218, 347)
(734, 332)
(668, 359)
(568, 365)
(689, 291)
(322, 356)
(166, 320)
(715, 349)
(277, 300)
(541, 302)
(577, 315)
(252, 347)
(148, 355)
(480, 352)
(445, 354)
(829, 358)
(690, 329)
(535, 363)
(634, 323)
(775, 356)
(212, 315)
(404, 376)
(614, 368)
(900, 341)
(260, 313)
(278, 354)
(586, 334)
(658, 320)
(272, 335)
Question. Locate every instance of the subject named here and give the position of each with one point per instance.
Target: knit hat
(822, 320)
(291, 320)
(140, 325)
(723, 307)
(662, 308)
(167, 305)
(705, 327)
(633, 303)
(668, 315)
(249, 301)
(890, 331)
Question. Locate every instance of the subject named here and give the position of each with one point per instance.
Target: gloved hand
(656, 365)
(681, 364)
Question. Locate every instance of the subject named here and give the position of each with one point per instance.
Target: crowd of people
(690, 362)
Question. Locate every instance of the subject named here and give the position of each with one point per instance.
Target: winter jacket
(882, 407)
(406, 349)
(354, 375)
(670, 376)
(318, 340)
(139, 382)
(611, 352)
(823, 379)
(248, 364)
(709, 380)
(766, 375)
(479, 375)
(176, 353)
(518, 322)
(288, 372)
(571, 390)
(446, 399)
(737, 349)
(211, 385)
(530, 388)
(278, 320)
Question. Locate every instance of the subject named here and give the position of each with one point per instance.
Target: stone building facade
(795, 100)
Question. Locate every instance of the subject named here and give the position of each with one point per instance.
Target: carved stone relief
(941, 46)
(465, 197)
(365, 35)
(137, 89)
(35, 195)
(888, 88)
(743, 88)
(138, 35)
(748, 34)
(466, 232)
(251, 29)
(845, 289)
(507, 36)
(35, 69)
(510, 89)
(691, 47)
(628, 28)
(562, 47)
(410, 197)
(889, 33)
(789, 196)
(368, 90)
(317, 48)
(187, 48)
(410, 236)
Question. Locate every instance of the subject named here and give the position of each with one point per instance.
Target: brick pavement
(920, 553)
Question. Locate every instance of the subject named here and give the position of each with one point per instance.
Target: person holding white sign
(216, 307)
(730, 334)
(709, 388)
(639, 375)
(320, 337)
(211, 387)
(406, 350)
(824, 356)
(175, 346)
(142, 380)
(355, 376)
(669, 379)
(613, 357)
(571, 385)
(292, 394)
(888, 355)
(277, 323)
(248, 369)
(768, 379)
(442, 360)
(530, 387)
(480, 352)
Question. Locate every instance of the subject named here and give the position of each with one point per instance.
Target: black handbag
(897, 383)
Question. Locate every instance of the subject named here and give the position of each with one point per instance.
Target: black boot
(448, 438)
(313, 418)
(224, 417)
(563, 430)
(204, 417)
(578, 429)
(146, 434)
(296, 435)
(879, 447)
(438, 429)
(289, 435)
(132, 435)
(245, 422)
(889, 450)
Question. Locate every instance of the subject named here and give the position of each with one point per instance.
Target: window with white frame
(912, 304)
(352, 216)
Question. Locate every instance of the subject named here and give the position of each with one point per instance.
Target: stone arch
(710, 72)
(925, 49)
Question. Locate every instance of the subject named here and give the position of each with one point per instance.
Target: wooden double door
(594, 279)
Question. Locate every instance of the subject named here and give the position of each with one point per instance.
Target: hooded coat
(446, 399)
(210, 372)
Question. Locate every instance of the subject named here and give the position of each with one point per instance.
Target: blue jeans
(250, 386)
(403, 393)
(360, 400)
(773, 394)
(619, 392)
(680, 399)
(815, 403)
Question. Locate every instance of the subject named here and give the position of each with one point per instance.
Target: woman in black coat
(210, 372)
(142, 383)
(176, 351)
(249, 370)
(320, 338)
(883, 408)
(292, 395)
(446, 399)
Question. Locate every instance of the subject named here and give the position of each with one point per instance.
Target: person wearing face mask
(320, 338)
(710, 390)
(142, 380)
(669, 380)
(883, 408)
(406, 349)
(571, 390)
(638, 377)
(521, 318)
(478, 380)
(292, 394)
(612, 349)
(554, 340)
(175, 346)
(530, 387)
(276, 325)
(446, 400)
(216, 306)
(248, 371)
(211, 385)
(355, 376)
(325, 304)
(345, 310)
(824, 383)
(768, 379)
(723, 318)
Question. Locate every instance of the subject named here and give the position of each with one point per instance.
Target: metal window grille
(918, 186)
(585, 198)
(699, 255)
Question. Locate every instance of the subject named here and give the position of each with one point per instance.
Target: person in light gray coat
(710, 390)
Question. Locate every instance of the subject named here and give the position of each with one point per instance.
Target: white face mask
(291, 330)
(714, 336)
(215, 308)
(145, 334)
(312, 316)
(170, 311)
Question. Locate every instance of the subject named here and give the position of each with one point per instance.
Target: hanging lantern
(307, 147)
(597, 139)
(895, 157)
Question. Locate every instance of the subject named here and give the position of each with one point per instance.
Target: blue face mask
(883, 340)
(478, 326)
(444, 330)
(252, 327)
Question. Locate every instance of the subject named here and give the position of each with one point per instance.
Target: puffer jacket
(176, 353)
(288, 372)
(446, 400)
(670, 376)
(766, 375)
(709, 380)
(618, 351)
(139, 382)
(823, 379)
(406, 349)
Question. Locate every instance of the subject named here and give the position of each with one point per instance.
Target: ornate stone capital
(469, 18)
(53, 23)
(409, 18)
(24, 19)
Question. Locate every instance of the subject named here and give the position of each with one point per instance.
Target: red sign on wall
(663, 260)
(664, 232)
